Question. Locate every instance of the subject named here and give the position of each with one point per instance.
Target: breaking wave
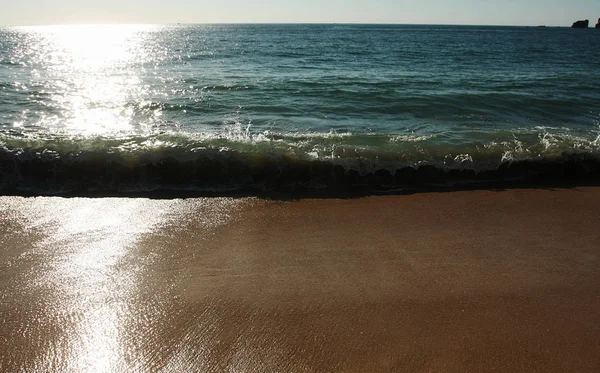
(212, 163)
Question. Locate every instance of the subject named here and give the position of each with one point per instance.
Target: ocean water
(296, 108)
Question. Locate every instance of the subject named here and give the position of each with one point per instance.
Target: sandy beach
(473, 281)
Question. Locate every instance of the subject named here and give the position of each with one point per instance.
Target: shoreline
(444, 282)
(358, 191)
(235, 174)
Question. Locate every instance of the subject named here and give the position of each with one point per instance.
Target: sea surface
(118, 109)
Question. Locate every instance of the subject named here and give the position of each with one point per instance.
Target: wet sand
(436, 282)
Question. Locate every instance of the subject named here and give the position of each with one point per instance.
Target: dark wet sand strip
(439, 282)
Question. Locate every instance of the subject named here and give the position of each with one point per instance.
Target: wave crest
(302, 163)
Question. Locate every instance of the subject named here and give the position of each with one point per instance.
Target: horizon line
(279, 23)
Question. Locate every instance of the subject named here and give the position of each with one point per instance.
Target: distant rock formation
(598, 24)
(581, 24)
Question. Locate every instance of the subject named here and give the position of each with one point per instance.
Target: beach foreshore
(469, 281)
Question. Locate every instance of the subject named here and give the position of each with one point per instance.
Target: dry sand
(478, 281)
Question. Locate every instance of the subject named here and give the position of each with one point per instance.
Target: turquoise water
(295, 107)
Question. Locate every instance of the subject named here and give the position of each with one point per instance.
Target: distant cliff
(581, 24)
(598, 24)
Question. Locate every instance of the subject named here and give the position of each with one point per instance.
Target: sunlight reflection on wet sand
(81, 278)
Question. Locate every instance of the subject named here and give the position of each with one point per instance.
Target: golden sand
(505, 281)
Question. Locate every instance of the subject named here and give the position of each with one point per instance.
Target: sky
(474, 12)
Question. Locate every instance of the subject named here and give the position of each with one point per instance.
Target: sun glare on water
(93, 47)
(92, 75)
